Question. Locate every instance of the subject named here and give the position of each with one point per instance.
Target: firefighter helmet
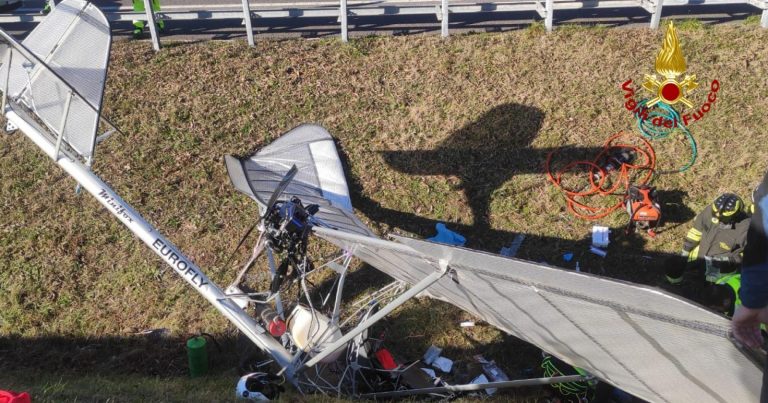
(727, 207)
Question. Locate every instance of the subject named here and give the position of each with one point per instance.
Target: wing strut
(404, 297)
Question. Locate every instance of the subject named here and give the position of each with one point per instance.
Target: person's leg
(674, 267)
(138, 25)
(156, 8)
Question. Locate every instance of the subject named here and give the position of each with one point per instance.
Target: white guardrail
(343, 9)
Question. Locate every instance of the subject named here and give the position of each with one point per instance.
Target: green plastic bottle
(197, 353)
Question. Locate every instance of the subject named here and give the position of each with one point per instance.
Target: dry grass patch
(432, 130)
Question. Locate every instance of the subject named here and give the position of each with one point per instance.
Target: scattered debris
(597, 251)
(155, 334)
(446, 236)
(483, 379)
(467, 323)
(567, 256)
(511, 250)
(385, 359)
(443, 364)
(432, 353)
(430, 372)
(492, 371)
(600, 240)
(578, 269)
(600, 236)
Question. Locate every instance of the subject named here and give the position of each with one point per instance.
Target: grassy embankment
(453, 131)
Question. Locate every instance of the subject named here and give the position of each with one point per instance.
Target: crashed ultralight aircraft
(652, 344)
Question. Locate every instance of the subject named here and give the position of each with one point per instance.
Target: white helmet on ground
(259, 386)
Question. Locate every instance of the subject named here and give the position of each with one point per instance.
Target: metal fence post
(764, 20)
(550, 9)
(444, 23)
(247, 20)
(656, 17)
(343, 20)
(152, 27)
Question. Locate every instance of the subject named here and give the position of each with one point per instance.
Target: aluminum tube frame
(340, 291)
(63, 124)
(7, 74)
(152, 27)
(181, 265)
(400, 300)
(444, 19)
(343, 19)
(248, 22)
(480, 386)
(656, 17)
(550, 9)
(273, 273)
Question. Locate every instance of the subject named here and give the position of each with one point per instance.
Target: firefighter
(138, 25)
(716, 241)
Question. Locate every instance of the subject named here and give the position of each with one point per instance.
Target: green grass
(433, 130)
(688, 24)
(121, 388)
(114, 388)
(752, 20)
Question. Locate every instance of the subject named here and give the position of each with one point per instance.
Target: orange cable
(579, 208)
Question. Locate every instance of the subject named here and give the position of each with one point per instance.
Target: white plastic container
(304, 329)
(600, 236)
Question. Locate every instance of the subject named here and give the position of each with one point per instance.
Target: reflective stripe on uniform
(694, 235)
(674, 280)
(693, 255)
(734, 281)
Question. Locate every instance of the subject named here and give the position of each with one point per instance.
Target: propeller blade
(242, 241)
(280, 188)
(272, 200)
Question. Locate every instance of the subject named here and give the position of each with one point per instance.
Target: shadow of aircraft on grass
(491, 151)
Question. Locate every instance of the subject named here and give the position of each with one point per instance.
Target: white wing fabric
(58, 72)
(320, 179)
(654, 345)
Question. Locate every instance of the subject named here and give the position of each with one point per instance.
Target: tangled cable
(616, 181)
(604, 181)
(653, 131)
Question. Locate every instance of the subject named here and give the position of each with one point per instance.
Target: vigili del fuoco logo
(670, 85)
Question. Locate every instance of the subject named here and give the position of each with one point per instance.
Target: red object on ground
(7, 396)
(385, 359)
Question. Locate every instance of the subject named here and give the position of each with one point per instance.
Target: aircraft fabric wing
(320, 179)
(654, 345)
(58, 72)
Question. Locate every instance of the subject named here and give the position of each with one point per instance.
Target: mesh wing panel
(649, 343)
(74, 42)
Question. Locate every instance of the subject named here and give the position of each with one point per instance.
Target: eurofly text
(644, 113)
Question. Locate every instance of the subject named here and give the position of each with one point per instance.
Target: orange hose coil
(576, 206)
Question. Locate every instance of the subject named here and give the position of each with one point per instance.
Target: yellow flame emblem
(670, 64)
